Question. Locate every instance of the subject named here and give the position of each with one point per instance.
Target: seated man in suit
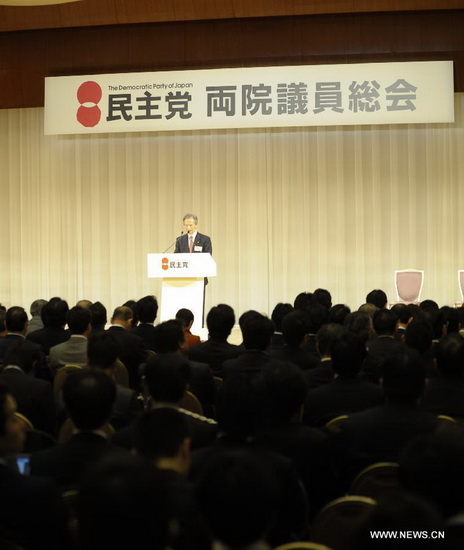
(132, 349)
(277, 315)
(147, 310)
(16, 330)
(33, 514)
(165, 382)
(295, 328)
(54, 320)
(220, 322)
(257, 333)
(102, 353)
(74, 350)
(99, 317)
(88, 397)
(34, 397)
(35, 322)
(192, 241)
(169, 337)
(380, 433)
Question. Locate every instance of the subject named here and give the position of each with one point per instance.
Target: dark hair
(244, 485)
(248, 316)
(403, 375)
(121, 499)
(385, 321)
(185, 317)
(348, 354)
(160, 433)
(338, 313)
(79, 319)
(279, 312)
(99, 315)
(166, 377)
(89, 396)
(303, 300)
(23, 354)
(103, 350)
(419, 335)
(318, 316)
(429, 305)
(147, 309)
(451, 319)
(284, 391)
(257, 332)
(323, 297)
(168, 336)
(327, 336)
(403, 312)
(360, 323)
(377, 297)
(449, 353)
(15, 319)
(2, 320)
(220, 321)
(54, 313)
(132, 304)
(295, 326)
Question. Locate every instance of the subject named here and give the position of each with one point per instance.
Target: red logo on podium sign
(89, 95)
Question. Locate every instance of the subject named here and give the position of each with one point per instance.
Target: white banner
(258, 97)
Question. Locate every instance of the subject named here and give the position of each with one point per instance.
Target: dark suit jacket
(34, 398)
(445, 395)
(296, 356)
(318, 376)
(145, 331)
(249, 363)
(380, 433)
(49, 337)
(9, 339)
(201, 383)
(214, 352)
(378, 350)
(341, 396)
(66, 462)
(132, 354)
(33, 514)
(201, 241)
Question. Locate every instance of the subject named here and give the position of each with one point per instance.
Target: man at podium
(192, 241)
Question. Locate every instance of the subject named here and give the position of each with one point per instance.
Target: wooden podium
(183, 282)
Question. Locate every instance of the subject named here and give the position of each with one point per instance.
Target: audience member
(54, 320)
(186, 319)
(32, 510)
(88, 397)
(278, 313)
(74, 350)
(419, 336)
(404, 314)
(103, 352)
(295, 328)
(220, 321)
(16, 329)
(323, 297)
(323, 372)
(132, 349)
(346, 393)
(147, 310)
(338, 313)
(378, 298)
(34, 397)
(35, 323)
(99, 317)
(257, 333)
(303, 301)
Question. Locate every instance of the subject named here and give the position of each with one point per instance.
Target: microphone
(175, 242)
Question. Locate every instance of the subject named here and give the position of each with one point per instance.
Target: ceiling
(89, 13)
(119, 36)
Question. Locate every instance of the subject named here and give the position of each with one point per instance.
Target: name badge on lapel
(198, 248)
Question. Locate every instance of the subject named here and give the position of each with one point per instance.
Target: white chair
(408, 284)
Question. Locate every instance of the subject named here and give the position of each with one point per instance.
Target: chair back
(121, 375)
(408, 283)
(302, 546)
(376, 480)
(335, 425)
(61, 376)
(337, 523)
(190, 402)
(68, 428)
(27, 424)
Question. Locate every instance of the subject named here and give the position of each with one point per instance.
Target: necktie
(190, 243)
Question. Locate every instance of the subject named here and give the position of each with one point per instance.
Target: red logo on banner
(89, 95)
(165, 264)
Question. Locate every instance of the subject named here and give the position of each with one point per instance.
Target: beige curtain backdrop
(288, 210)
